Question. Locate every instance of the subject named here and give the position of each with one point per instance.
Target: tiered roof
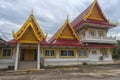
(30, 32)
(93, 14)
(65, 36)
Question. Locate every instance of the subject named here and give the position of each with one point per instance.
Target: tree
(116, 52)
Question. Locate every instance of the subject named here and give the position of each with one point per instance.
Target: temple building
(84, 40)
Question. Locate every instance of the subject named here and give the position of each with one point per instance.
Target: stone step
(27, 65)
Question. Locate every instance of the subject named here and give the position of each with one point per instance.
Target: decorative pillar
(16, 58)
(38, 57)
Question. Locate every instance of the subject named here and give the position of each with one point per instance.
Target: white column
(38, 57)
(16, 58)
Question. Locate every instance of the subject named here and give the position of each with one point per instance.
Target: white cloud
(50, 14)
(5, 5)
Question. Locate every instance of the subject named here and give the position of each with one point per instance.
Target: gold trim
(91, 9)
(24, 41)
(25, 26)
(57, 35)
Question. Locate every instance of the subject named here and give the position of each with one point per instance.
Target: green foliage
(116, 51)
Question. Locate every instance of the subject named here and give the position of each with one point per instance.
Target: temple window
(94, 52)
(83, 53)
(49, 53)
(92, 33)
(101, 34)
(67, 53)
(104, 53)
(6, 52)
(83, 34)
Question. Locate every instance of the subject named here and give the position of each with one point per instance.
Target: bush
(116, 51)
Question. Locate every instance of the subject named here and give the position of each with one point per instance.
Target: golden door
(29, 55)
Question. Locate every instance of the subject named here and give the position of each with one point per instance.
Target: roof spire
(95, 0)
(68, 17)
(31, 11)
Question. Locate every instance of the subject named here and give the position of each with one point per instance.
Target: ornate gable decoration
(30, 31)
(96, 12)
(66, 32)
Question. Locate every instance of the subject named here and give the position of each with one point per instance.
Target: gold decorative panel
(96, 14)
(29, 35)
(67, 33)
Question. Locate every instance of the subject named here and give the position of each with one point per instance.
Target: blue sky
(50, 14)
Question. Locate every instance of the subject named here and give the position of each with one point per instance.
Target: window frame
(107, 54)
(93, 32)
(83, 56)
(6, 56)
(54, 56)
(94, 53)
(67, 56)
(101, 35)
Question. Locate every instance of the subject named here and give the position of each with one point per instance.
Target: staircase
(24, 65)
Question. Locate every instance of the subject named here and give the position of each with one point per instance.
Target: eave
(94, 22)
(100, 46)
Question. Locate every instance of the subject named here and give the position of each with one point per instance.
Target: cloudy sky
(50, 14)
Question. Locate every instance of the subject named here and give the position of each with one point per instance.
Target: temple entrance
(28, 59)
(28, 55)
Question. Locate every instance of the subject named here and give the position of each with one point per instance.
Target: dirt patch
(83, 72)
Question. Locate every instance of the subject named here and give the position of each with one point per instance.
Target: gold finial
(95, 0)
(46, 35)
(32, 11)
(67, 17)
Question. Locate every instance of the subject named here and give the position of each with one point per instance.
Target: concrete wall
(5, 62)
(92, 58)
(58, 61)
(97, 31)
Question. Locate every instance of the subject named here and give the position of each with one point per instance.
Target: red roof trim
(13, 41)
(67, 42)
(101, 46)
(99, 22)
(44, 42)
(94, 22)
